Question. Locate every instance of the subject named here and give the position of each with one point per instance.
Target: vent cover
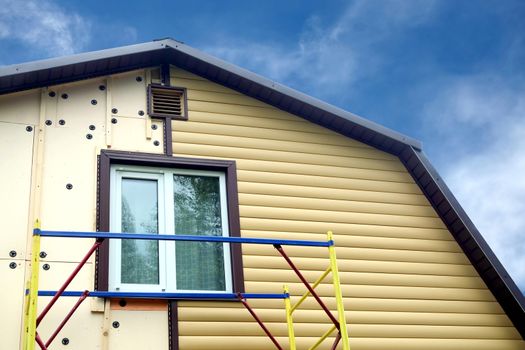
(167, 102)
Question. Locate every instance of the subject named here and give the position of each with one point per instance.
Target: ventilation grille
(167, 101)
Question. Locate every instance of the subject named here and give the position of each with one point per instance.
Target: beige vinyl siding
(406, 282)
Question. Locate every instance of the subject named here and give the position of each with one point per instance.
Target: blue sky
(450, 73)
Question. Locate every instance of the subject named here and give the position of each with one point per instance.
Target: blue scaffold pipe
(145, 295)
(156, 237)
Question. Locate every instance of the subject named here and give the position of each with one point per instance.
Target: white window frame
(166, 224)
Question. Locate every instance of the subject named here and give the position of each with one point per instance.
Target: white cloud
(488, 177)
(327, 58)
(43, 26)
(478, 121)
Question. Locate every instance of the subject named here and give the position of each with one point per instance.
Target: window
(157, 194)
(169, 201)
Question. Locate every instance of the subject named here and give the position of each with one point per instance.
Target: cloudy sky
(450, 73)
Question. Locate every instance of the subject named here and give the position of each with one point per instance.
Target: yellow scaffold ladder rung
(323, 337)
(307, 293)
(339, 323)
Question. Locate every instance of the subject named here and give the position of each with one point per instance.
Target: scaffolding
(32, 319)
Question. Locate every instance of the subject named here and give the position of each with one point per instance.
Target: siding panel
(406, 282)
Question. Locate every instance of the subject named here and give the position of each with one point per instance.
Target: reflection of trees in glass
(140, 258)
(200, 266)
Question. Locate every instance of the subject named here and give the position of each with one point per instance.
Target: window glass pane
(200, 266)
(140, 258)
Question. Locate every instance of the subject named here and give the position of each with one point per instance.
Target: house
(162, 138)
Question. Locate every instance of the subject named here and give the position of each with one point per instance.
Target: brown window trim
(109, 157)
(184, 92)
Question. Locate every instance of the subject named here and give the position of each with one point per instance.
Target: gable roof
(168, 51)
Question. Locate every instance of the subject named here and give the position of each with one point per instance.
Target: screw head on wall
(138, 79)
(141, 113)
(114, 120)
(89, 136)
(65, 341)
(46, 267)
(69, 186)
(64, 96)
(102, 87)
(29, 128)
(12, 265)
(12, 253)
(92, 127)
(114, 110)
(116, 324)
(156, 143)
(94, 102)
(154, 126)
(49, 122)
(52, 94)
(61, 122)
(42, 255)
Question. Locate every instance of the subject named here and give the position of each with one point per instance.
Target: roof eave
(490, 269)
(270, 84)
(37, 68)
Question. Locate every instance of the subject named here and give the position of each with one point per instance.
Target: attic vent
(167, 102)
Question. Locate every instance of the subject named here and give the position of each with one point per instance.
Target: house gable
(260, 117)
(297, 178)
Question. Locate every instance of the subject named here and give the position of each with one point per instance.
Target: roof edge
(490, 269)
(312, 101)
(49, 64)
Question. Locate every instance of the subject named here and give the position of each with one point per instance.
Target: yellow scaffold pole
(338, 294)
(289, 319)
(32, 294)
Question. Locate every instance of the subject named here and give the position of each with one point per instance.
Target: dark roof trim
(87, 65)
(99, 63)
(467, 235)
(266, 85)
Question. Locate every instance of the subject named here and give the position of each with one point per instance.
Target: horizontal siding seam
(384, 260)
(208, 153)
(389, 192)
(175, 142)
(341, 211)
(338, 222)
